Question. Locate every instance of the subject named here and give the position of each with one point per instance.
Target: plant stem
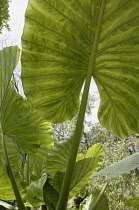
(27, 173)
(20, 203)
(27, 170)
(99, 197)
(63, 199)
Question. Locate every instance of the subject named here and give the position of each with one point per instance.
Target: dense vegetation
(114, 150)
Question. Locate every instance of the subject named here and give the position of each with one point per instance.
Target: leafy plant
(21, 131)
(64, 44)
(69, 48)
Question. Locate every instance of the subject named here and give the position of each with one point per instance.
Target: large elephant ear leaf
(60, 43)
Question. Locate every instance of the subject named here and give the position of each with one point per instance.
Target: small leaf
(94, 151)
(123, 166)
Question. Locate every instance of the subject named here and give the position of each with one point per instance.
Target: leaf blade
(62, 58)
(123, 166)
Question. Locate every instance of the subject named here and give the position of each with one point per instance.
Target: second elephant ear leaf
(57, 43)
(18, 122)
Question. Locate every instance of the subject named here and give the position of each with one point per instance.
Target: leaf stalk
(99, 197)
(63, 199)
(11, 176)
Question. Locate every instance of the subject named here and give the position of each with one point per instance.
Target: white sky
(17, 10)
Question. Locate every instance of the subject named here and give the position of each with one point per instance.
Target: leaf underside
(57, 43)
(123, 166)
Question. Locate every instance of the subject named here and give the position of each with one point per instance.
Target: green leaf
(50, 195)
(123, 166)
(9, 58)
(18, 121)
(20, 125)
(90, 200)
(34, 195)
(84, 167)
(132, 203)
(57, 180)
(6, 191)
(58, 157)
(94, 151)
(57, 43)
(38, 159)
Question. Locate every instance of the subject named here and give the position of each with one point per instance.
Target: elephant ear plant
(66, 43)
(21, 134)
(16, 120)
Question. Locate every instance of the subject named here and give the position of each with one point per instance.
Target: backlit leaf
(57, 45)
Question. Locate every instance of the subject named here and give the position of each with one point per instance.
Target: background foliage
(114, 149)
(4, 14)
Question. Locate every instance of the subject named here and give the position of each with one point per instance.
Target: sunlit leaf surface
(57, 44)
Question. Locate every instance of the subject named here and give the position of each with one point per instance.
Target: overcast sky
(16, 11)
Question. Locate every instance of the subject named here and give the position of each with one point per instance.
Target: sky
(17, 10)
